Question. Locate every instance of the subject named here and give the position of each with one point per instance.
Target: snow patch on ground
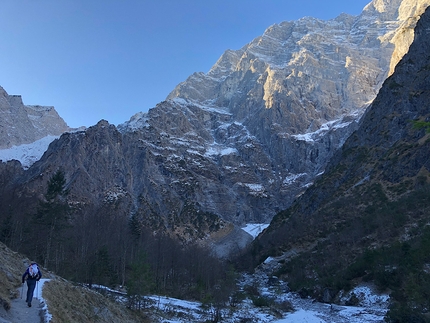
(38, 293)
(372, 309)
(301, 316)
(367, 297)
(305, 310)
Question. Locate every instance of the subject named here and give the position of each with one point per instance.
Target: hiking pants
(31, 284)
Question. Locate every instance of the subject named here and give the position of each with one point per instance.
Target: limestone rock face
(382, 169)
(23, 124)
(321, 69)
(276, 110)
(238, 144)
(409, 13)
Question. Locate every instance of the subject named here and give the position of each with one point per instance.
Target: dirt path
(21, 313)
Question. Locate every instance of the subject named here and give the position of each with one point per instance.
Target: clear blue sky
(109, 59)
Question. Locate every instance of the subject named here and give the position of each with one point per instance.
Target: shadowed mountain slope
(367, 216)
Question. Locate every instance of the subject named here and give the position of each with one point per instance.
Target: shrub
(262, 301)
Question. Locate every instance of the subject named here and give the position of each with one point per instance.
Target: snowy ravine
(371, 307)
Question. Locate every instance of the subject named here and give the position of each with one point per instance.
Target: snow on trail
(39, 294)
(20, 312)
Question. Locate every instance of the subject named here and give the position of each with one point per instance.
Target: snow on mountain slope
(27, 154)
(24, 124)
(242, 141)
(245, 139)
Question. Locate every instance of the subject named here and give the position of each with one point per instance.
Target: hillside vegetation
(66, 302)
(13, 266)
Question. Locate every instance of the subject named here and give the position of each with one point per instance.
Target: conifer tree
(51, 217)
(140, 281)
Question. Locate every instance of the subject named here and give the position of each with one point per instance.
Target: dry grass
(69, 303)
(12, 267)
(66, 302)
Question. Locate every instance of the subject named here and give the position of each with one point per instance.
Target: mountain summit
(265, 119)
(366, 219)
(239, 143)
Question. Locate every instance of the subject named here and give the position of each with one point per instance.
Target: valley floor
(372, 307)
(305, 310)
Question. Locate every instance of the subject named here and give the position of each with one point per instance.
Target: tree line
(101, 246)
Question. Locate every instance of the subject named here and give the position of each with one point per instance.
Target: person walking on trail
(33, 275)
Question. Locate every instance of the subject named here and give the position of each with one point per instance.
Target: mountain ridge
(245, 149)
(366, 218)
(357, 182)
(24, 124)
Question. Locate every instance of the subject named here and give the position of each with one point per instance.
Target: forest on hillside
(102, 246)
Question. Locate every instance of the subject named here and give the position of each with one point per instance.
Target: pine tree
(51, 217)
(140, 281)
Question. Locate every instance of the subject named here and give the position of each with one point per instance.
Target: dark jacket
(27, 273)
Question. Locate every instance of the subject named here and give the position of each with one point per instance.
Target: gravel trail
(20, 312)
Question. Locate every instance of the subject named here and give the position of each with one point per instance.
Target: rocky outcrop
(366, 218)
(375, 191)
(265, 120)
(408, 14)
(240, 143)
(23, 124)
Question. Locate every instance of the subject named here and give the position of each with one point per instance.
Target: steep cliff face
(373, 202)
(266, 118)
(408, 14)
(23, 124)
(239, 143)
(304, 73)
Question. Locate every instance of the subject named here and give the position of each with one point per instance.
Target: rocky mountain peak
(324, 69)
(240, 142)
(265, 120)
(373, 201)
(23, 124)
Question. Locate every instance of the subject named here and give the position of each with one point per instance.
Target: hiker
(33, 275)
